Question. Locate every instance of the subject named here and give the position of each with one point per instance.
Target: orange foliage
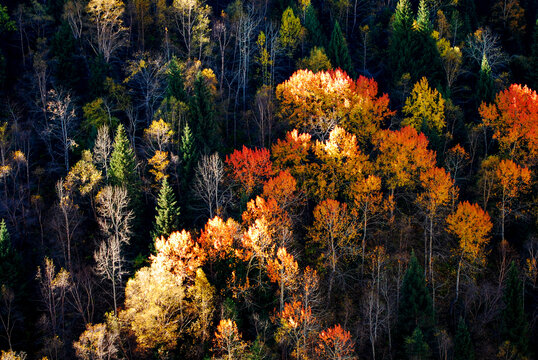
(228, 342)
(513, 179)
(438, 189)
(403, 156)
(291, 154)
(283, 270)
(471, 225)
(179, 254)
(283, 189)
(335, 343)
(307, 96)
(217, 238)
(249, 167)
(296, 325)
(514, 120)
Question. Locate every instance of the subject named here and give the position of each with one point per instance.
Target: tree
(471, 225)
(209, 184)
(338, 51)
(291, 31)
(10, 261)
(202, 295)
(463, 345)
(187, 152)
(483, 43)
(123, 166)
(115, 224)
(334, 231)
(249, 167)
(514, 326)
(103, 149)
(317, 61)
(202, 117)
(485, 90)
(416, 348)
(218, 238)
(176, 80)
(514, 120)
(297, 326)
(415, 308)
(167, 212)
(283, 270)
(97, 342)
(425, 109)
(191, 20)
(315, 32)
(228, 343)
(335, 343)
(110, 34)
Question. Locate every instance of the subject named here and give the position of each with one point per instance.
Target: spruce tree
(463, 346)
(400, 49)
(514, 327)
(176, 82)
(485, 89)
(423, 17)
(415, 308)
(167, 217)
(187, 152)
(202, 117)
(338, 51)
(10, 262)
(316, 35)
(122, 160)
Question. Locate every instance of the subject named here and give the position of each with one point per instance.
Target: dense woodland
(278, 179)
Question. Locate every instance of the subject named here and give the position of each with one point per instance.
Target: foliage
(167, 212)
(425, 108)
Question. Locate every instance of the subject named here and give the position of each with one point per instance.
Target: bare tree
(65, 220)
(485, 44)
(191, 18)
(110, 34)
(264, 110)
(62, 123)
(102, 148)
(7, 313)
(74, 14)
(115, 223)
(82, 294)
(209, 184)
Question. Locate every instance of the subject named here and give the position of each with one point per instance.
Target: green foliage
(63, 47)
(316, 36)
(338, 51)
(95, 116)
(202, 117)
(6, 24)
(514, 326)
(415, 308)
(423, 17)
(316, 61)
(485, 89)
(176, 82)
(167, 217)
(99, 70)
(187, 152)
(10, 262)
(291, 31)
(123, 163)
(416, 347)
(463, 346)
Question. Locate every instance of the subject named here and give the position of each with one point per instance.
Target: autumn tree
(425, 109)
(334, 232)
(335, 343)
(97, 342)
(471, 225)
(191, 21)
(296, 327)
(514, 120)
(284, 271)
(110, 32)
(228, 344)
(291, 31)
(218, 238)
(249, 167)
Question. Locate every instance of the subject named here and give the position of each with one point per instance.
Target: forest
(268, 179)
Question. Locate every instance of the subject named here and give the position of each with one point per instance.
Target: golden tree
(283, 270)
(228, 344)
(425, 108)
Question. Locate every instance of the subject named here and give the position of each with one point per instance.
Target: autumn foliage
(335, 343)
(249, 167)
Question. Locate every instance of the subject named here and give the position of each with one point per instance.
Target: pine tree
(315, 32)
(167, 217)
(514, 327)
(485, 89)
(122, 160)
(187, 152)
(10, 262)
(463, 346)
(338, 51)
(423, 17)
(176, 82)
(416, 348)
(415, 308)
(400, 50)
(202, 117)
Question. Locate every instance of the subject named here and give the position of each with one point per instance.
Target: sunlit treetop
(514, 119)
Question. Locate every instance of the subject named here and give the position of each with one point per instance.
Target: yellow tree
(471, 225)
(228, 344)
(110, 34)
(291, 31)
(334, 231)
(283, 270)
(425, 108)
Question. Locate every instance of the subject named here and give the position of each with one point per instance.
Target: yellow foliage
(424, 107)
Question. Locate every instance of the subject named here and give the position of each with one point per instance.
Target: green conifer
(338, 51)
(463, 346)
(514, 327)
(423, 17)
(167, 217)
(485, 89)
(176, 82)
(122, 160)
(415, 308)
(187, 151)
(10, 262)
(416, 348)
(316, 35)
(202, 117)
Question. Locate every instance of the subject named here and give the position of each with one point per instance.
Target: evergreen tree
(485, 89)
(415, 308)
(338, 51)
(423, 17)
(400, 49)
(416, 347)
(187, 152)
(176, 82)
(166, 219)
(514, 327)
(10, 262)
(202, 117)
(463, 346)
(316, 35)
